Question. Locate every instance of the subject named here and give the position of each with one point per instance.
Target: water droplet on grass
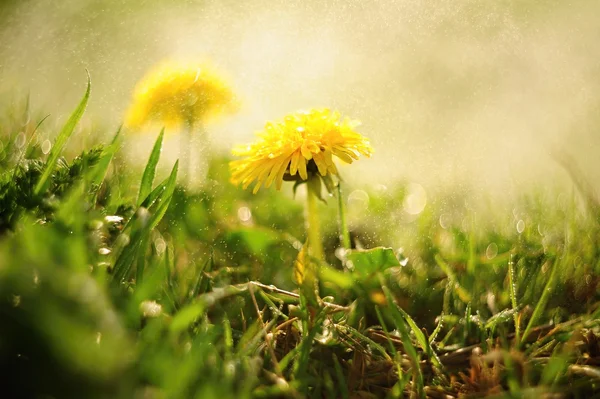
(415, 200)
(444, 220)
(520, 226)
(20, 140)
(491, 251)
(244, 214)
(341, 253)
(113, 219)
(46, 146)
(160, 246)
(150, 308)
(358, 201)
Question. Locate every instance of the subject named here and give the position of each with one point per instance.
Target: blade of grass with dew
(150, 169)
(390, 343)
(467, 324)
(141, 260)
(274, 308)
(306, 344)
(149, 202)
(29, 143)
(472, 261)
(499, 318)
(191, 312)
(541, 305)
(437, 329)
(460, 291)
(251, 339)
(339, 374)
(202, 282)
(98, 174)
(421, 339)
(163, 205)
(361, 337)
(168, 287)
(227, 337)
(129, 253)
(513, 296)
(61, 141)
(409, 348)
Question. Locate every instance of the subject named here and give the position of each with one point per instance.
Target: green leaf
(202, 283)
(61, 141)
(370, 261)
(336, 277)
(150, 170)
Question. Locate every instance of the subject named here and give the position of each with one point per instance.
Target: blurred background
(452, 93)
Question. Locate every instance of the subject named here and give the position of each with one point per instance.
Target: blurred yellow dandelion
(180, 94)
(301, 144)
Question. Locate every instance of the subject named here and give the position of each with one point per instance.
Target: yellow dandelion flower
(176, 94)
(298, 146)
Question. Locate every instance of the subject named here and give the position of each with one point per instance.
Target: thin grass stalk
(513, 297)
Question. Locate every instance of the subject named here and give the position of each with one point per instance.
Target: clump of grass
(165, 292)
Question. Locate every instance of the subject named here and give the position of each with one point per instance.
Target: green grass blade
(165, 199)
(202, 283)
(150, 170)
(141, 260)
(421, 339)
(125, 260)
(339, 374)
(513, 297)
(61, 141)
(139, 236)
(97, 175)
(453, 280)
(389, 341)
(400, 323)
(22, 156)
(541, 305)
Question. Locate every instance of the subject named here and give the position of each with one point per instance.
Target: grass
(119, 286)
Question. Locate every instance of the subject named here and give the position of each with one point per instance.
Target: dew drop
(160, 245)
(20, 140)
(491, 251)
(415, 200)
(244, 213)
(520, 226)
(46, 146)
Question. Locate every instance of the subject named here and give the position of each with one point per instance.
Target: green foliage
(114, 291)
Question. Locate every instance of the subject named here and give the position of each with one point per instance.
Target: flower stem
(315, 246)
(344, 233)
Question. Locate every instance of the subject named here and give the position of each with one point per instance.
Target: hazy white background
(451, 92)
